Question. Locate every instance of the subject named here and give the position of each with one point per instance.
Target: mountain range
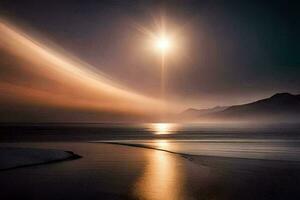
(281, 106)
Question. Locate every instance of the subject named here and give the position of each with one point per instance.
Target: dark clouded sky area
(227, 51)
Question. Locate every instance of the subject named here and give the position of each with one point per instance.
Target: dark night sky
(231, 52)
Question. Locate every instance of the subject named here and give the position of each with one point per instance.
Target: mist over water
(264, 141)
(270, 142)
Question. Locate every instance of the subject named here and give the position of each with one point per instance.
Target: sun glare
(163, 43)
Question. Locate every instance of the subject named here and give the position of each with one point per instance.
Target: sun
(163, 43)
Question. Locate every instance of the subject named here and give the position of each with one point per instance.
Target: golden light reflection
(163, 128)
(161, 144)
(161, 178)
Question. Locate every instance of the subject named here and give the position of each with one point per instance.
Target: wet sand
(108, 171)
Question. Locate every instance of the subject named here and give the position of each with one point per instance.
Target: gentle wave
(279, 150)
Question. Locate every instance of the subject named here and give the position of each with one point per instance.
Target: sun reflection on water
(161, 144)
(160, 179)
(163, 128)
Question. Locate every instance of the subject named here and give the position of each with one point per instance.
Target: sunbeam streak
(56, 79)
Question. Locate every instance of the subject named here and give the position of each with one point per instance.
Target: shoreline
(208, 160)
(149, 174)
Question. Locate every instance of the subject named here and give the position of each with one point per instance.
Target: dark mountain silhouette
(194, 113)
(281, 106)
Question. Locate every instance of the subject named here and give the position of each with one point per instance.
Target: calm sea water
(216, 168)
(260, 141)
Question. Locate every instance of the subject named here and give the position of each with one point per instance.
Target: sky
(223, 52)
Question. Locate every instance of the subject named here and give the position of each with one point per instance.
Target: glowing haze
(35, 74)
(217, 54)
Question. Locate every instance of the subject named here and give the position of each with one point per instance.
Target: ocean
(157, 161)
